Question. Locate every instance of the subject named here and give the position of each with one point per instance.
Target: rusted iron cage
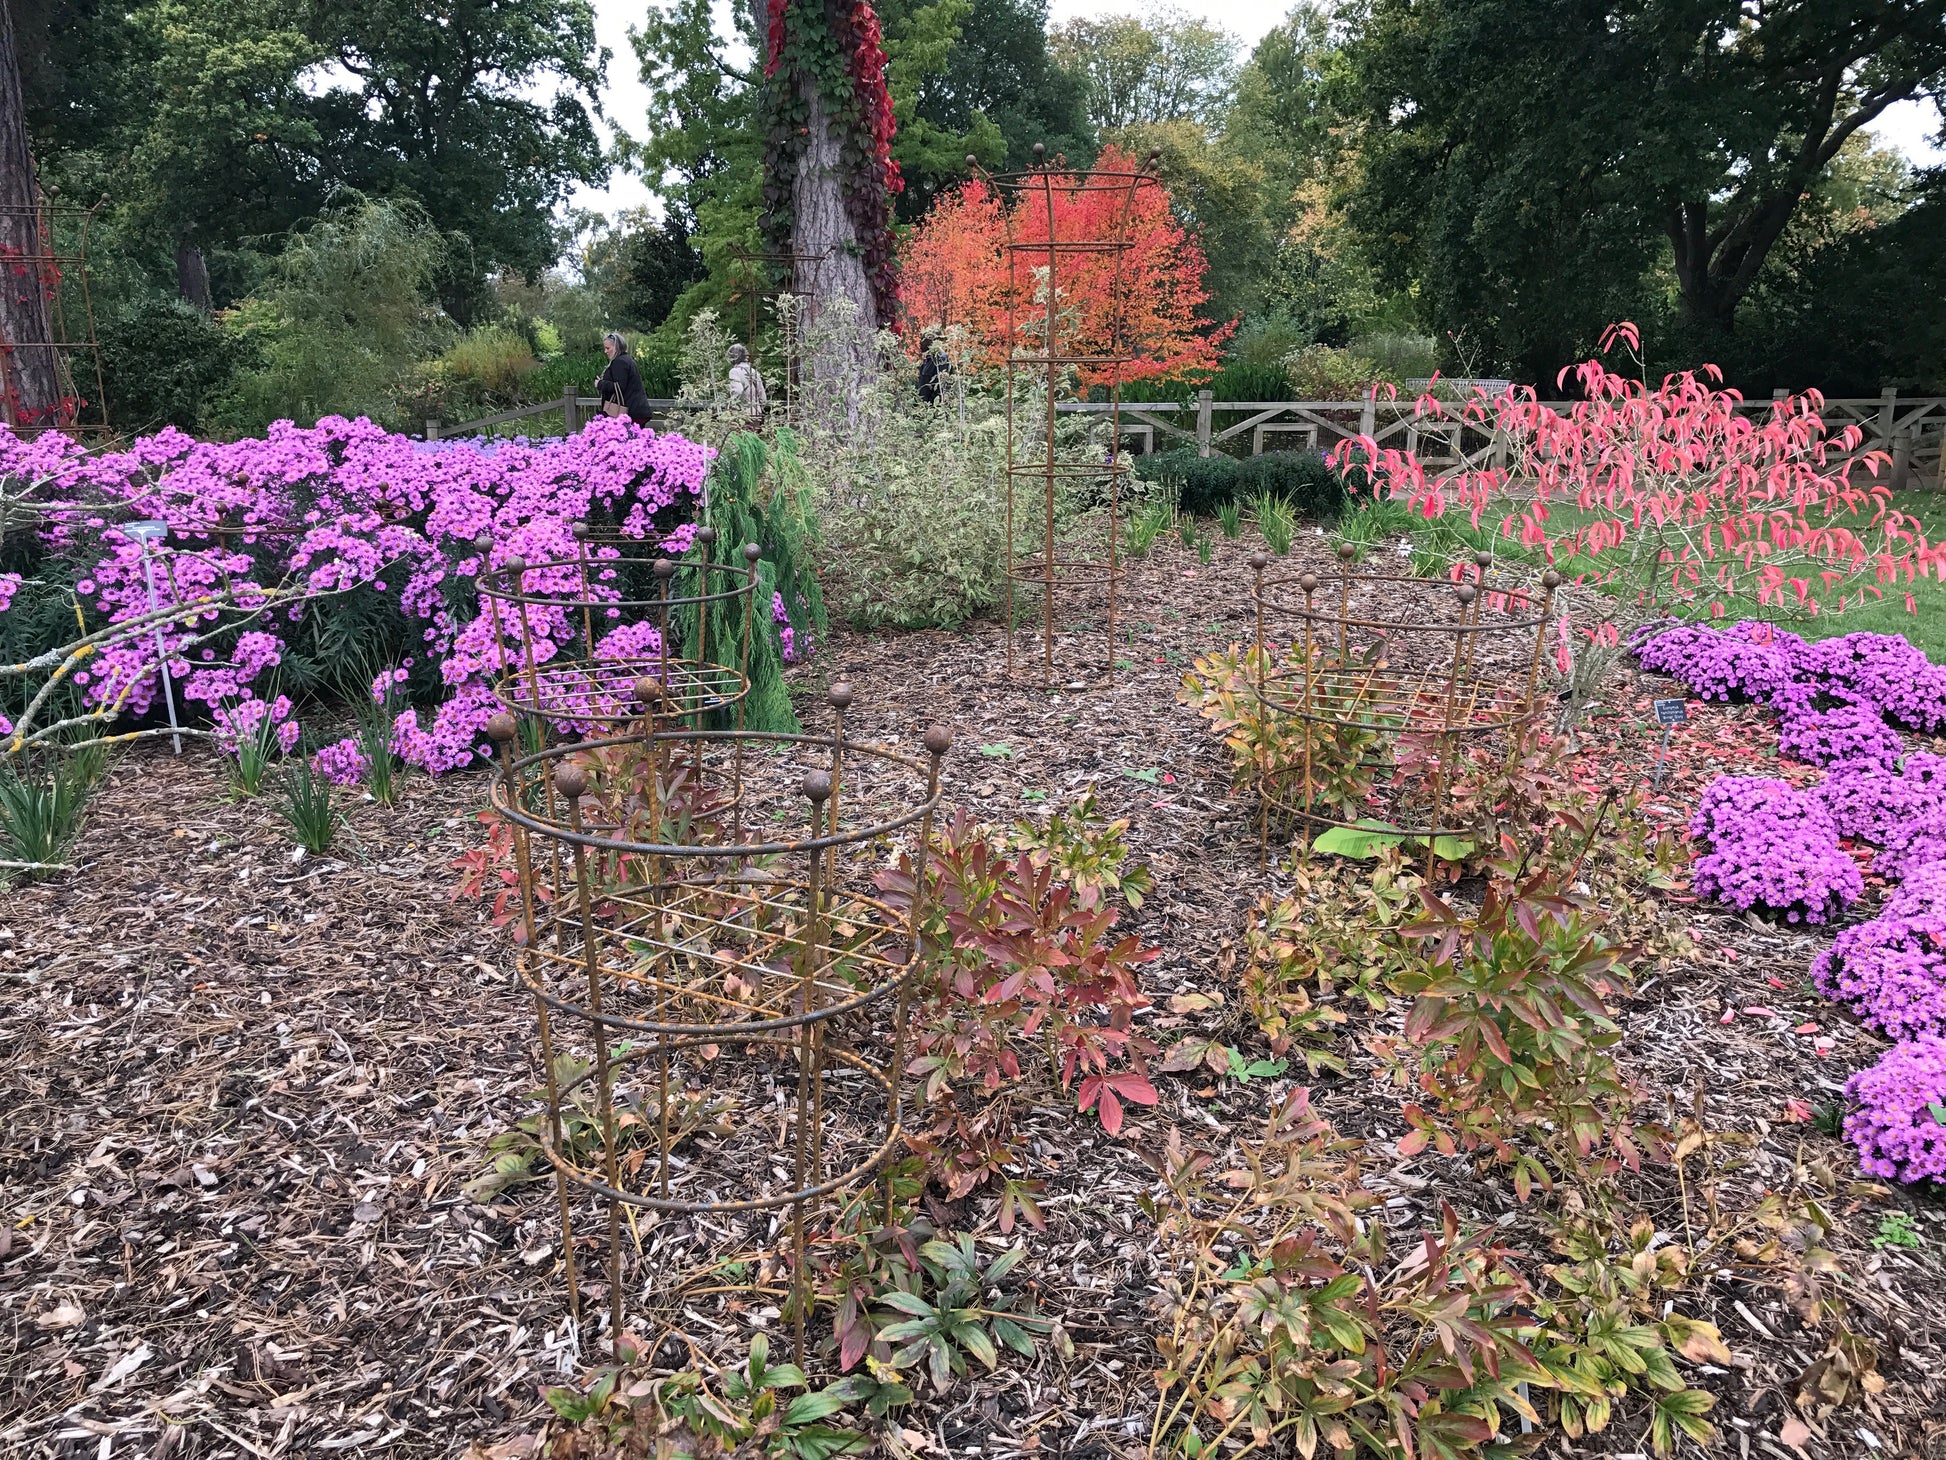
(1375, 659)
(56, 262)
(571, 604)
(721, 1003)
(1049, 345)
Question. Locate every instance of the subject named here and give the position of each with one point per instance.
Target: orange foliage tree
(954, 270)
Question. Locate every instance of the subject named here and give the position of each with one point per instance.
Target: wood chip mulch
(240, 1093)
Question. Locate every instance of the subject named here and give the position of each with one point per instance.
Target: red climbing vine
(837, 45)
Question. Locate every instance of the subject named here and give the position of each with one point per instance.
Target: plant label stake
(146, 533)
(1668, 714)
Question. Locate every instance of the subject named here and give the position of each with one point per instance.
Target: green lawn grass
(1439, 543)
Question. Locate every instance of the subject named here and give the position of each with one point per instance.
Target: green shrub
(339, 325)
(162, 363)
(1320, 372)
(1314, 490)
(494, 359)
(1202, 484)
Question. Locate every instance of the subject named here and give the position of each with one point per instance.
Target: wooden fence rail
(1910, 429)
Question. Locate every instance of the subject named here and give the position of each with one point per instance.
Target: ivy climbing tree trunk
(28, 379)
(828, 181)
(831, 266)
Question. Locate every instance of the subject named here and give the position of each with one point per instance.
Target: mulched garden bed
(241, 1093)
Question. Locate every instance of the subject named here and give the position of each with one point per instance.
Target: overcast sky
(1909, 127)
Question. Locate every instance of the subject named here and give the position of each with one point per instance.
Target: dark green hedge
(1203, 483)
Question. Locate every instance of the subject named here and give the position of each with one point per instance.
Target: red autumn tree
(956, 269)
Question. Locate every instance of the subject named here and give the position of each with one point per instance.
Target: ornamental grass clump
(1850, 735)
(1773, 849)
(1899, 1119)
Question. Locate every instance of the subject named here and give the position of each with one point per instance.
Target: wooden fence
(1910, 429)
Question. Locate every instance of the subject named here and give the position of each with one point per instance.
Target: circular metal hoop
(596, 696)
(1348, 701)
(702, 969)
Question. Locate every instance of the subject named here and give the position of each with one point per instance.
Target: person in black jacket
(934, 366)
(620, 385)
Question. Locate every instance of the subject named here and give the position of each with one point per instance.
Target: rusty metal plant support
(577, 694)
(1044, 345)
(701, 973)
(50, 267)
(1468, 668)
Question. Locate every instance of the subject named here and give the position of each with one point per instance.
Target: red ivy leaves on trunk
(804, 38)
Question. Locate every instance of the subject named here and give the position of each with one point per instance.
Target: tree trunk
(831, 264)
(29, 382)
(192, 274)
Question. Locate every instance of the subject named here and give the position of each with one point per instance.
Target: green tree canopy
(1166, 68)
(1531, 163)
(227, 121)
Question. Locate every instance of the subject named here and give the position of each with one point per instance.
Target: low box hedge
(1311, 485)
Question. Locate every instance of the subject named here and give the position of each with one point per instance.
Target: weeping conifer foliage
(758, 493)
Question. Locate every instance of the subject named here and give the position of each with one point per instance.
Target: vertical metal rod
(938, 741)
(572, 783)
(161, 655)
(581, 558)
(1550, 580)
(1258, 560)
(502, 729)
(1047, 629)
(1310, 585)
(817, 786)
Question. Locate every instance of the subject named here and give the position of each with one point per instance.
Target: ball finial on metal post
(501, 728)
(939, 740)
(572, 782)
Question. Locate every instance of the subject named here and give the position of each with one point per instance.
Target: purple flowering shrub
(1914, 845)
(1751, 661)
(370, 526)
(1883, 670)
(1761, 662)
(1773, 849)
(1849, 735)
(343, 762)
(1892, 970)
(1880, 805)
(1898, 1120)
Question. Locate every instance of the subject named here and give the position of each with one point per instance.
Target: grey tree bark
(31, 381)
(192, 274)
(831, 264)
